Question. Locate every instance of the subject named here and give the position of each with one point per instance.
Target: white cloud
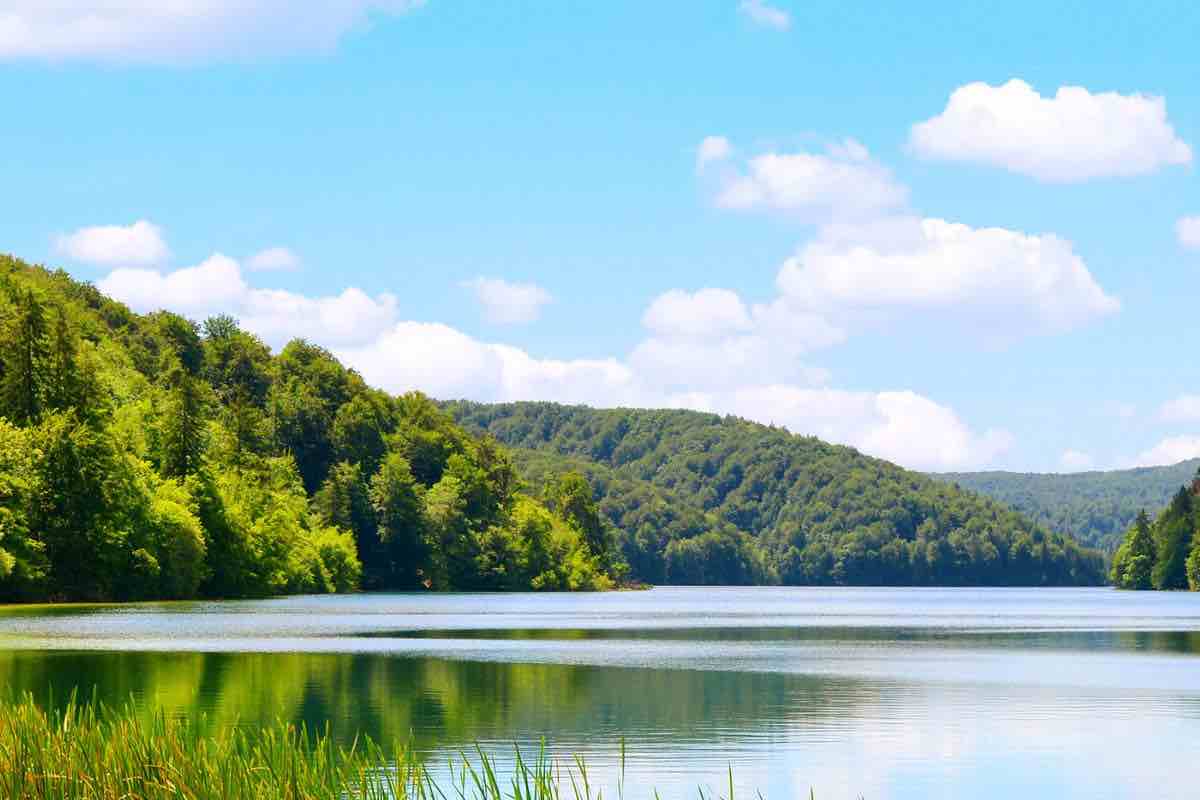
(762, 13)
(216, 286)
(706, 313)
(842, 183)
(1187, 229)
(1073, 136)
(710, 339)
(273, 259)
(180, 30)
(1171, 450)
(1185, 408)
(712, 149)
(1076, 461)
(508, 303)
(998, 282)
(138, 244)
(902, 426)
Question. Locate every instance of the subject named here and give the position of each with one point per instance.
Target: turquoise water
(885, 693)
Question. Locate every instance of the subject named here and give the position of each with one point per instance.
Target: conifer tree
(1173, 542)
(24, 359)
(183, 434)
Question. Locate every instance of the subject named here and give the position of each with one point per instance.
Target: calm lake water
(884, 693)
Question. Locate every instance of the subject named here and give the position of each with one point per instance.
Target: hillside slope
(699, 498)
(1094, 507)
(148, 456)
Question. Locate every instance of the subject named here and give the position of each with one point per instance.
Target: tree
(358, 430)
(184, 425)
(571, 498)
(1173, 542)
(397, 500)
(1133, 565)
(70, 380)
(344, 502)
(24, 359)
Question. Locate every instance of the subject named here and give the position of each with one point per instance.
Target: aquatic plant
(89, 751)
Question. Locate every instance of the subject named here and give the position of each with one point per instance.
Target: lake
(884, 693)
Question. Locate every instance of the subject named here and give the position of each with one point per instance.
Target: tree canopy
(1096, 508)
(698, 498)
(148, 456)
(1164, 554)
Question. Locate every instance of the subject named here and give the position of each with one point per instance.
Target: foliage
(1164, 554)
(1096, 508)
(93, 752)
(697, 498)
(151, 457)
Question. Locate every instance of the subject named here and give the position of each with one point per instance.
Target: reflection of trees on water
(440, 703)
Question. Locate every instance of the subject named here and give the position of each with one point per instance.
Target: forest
(1096, 508)
(1163, 554)
(148, 456)
(701, 499)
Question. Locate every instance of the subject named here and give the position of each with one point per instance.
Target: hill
(148, 456)
(697, 498)
(1094, 507)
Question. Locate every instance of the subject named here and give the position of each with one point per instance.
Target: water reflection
(986, 706)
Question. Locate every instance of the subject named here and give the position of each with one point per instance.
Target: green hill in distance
(700, 499)
(1096, 508)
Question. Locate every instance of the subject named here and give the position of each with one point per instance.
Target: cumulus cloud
(139, 244)
(1187, 229)
(1171, 450)
(217, 286)
(273, 259)
(1076, 461)
(507, 303)
(711, 338)
(703, 314)
(181, 30)
(712, 149)
(1185, 408)
(1002, 283)
(901, 426)
(762, 13)
(1073, 136)
(841, 183)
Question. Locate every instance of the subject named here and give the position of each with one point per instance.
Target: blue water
(883, 693)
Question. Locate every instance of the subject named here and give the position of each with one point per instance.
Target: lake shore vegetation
(151, 457)
(1164, 553)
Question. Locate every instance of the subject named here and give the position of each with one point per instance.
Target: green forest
(700, 499)
(148, 456)
(1165, 553)
(1096, 508)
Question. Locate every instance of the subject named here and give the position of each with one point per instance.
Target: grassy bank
(85, 750)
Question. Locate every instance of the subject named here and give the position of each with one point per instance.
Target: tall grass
(87, 750)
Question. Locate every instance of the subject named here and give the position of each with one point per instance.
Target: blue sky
(885, 241)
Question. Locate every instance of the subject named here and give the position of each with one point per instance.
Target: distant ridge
(1095, 507)
(699, 498)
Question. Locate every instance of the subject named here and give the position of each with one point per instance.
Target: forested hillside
(1164, 554)
(1094, 507)
(697, 498)
(152, 457)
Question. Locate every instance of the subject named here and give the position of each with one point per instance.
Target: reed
(88, 751)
